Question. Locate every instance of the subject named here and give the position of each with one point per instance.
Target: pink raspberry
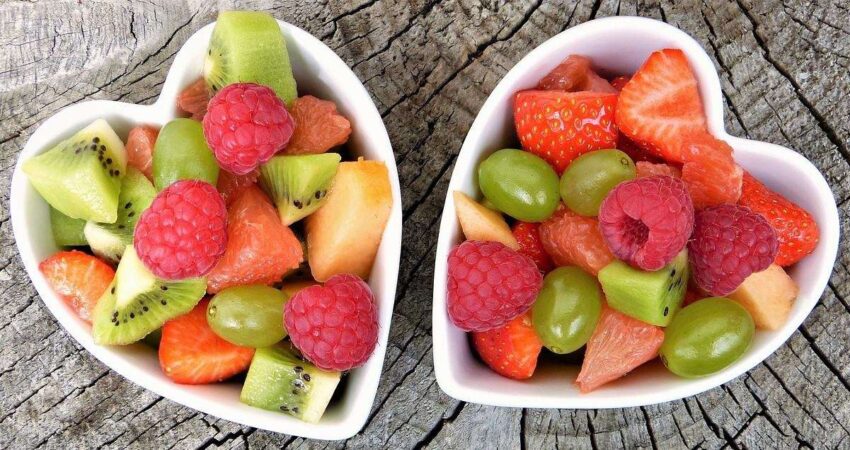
(489, 285)
(336, 325)
(729, 243)
(183, 233)
(646, 222)
(245, 125)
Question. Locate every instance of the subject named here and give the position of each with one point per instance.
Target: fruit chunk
(528, 236)
(194, 98)
(511, 350)
(230, 185)
(520, 184)
(482, 224)
(181, 153)
(67, 232)
(343, 236)
(574, 74)
(81, 176)
(590, 177)
(319, 126)
(651, 297)
(78, 279)
(250, 315)
(618, 345)
(290, 288)
(566, 309)
(191, 353)
(140, 144)
(299, 185)
(646, 169)
(710, 171)
(767, 296)
(260, 249)
(619, 82)
(280, 381)
(571, 239)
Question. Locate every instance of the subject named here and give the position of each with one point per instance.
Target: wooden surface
(429, 65)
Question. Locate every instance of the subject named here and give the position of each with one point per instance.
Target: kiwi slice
(652, 297)
(108, 240)
(299, 184)
(81, 176)
(137, 303)
(279, 380)
(248, 46)
(67, 232)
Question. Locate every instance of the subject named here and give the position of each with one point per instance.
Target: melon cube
(767, 296)
(480, 223)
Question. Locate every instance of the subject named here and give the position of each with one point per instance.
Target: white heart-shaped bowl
(319, 71)
(618, 45)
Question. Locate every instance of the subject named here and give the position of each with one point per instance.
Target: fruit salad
(620, 231)
(235, 240)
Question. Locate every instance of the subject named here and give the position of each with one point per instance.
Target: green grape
(706, 337)
(567, 309)
(181, 153)
(590, 177)
(250, 315)
(519, 184)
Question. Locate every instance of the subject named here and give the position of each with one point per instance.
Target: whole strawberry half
(510, 350)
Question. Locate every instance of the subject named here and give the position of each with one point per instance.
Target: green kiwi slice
(81, 176)
(67, 232)
(299, 184)
(248, 46)
(137, 303)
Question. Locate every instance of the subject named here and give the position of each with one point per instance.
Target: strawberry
(191, 353)
(528, 236)
(619, 82)
(661, 105)
(634, 151)
(647, 169)
(560, 126)
(796, 229)
(710, 172)
(511, 350)
(78, 278)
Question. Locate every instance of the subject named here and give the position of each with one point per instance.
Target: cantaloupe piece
(344, 234)
(480, 223)
(768, 296)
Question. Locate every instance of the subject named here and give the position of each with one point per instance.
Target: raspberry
(184, 231)
(646, 222)
(245, 125)
(335, 326)
(489, 285)
(729, 243)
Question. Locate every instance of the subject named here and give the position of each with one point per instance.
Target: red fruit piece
(571, 239)
(661, 105)
(634, 151)
(140, 143)
(710, 171)
(618, 345)
(336, 325)
(560, 126)
(574, 74)
(78, 278)
(193, 99)
(191, 353)
(260, 248)
(528, 236)
(647, 169)
(245, 125)
(183, 233)
(510, 350)
(620, 82)
(318, 126)
(646, 222)
(729, 243)
(230, 185)
(489, 285)
(796, 229)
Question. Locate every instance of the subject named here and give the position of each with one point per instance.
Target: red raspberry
(528, 236)
(245, 125)
(729, 243)
(336, 325)
(489, 285)
(184, 231)
(646, 222)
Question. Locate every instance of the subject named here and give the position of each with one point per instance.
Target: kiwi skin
(299, 184)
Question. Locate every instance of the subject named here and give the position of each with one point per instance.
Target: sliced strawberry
(619, 82)
(78, 278)
(560, 126)
(528, 236)
(191, 353)
(634, 151)
(710, 172)
(647, 169)
(140, 143)
(512, 350)
(231, 185)
(194, 99)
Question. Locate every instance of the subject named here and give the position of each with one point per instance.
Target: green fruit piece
(67, 232)
(567, 309)
(248, 315)
(519, 184)
(248, 46)
(81, 176)
(590, 177)
(181, 153)
(706, 336)
(137, 302)
(108, 240)
(280, 381)
(152, 339)
(651, 297)
(299, 184)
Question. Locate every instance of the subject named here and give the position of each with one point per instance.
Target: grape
(181, 153)
(706, 337)
(590, 177)
(519, 184)
(567, 309)
(249, 315)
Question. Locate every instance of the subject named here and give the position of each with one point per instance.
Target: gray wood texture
(429, 65)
